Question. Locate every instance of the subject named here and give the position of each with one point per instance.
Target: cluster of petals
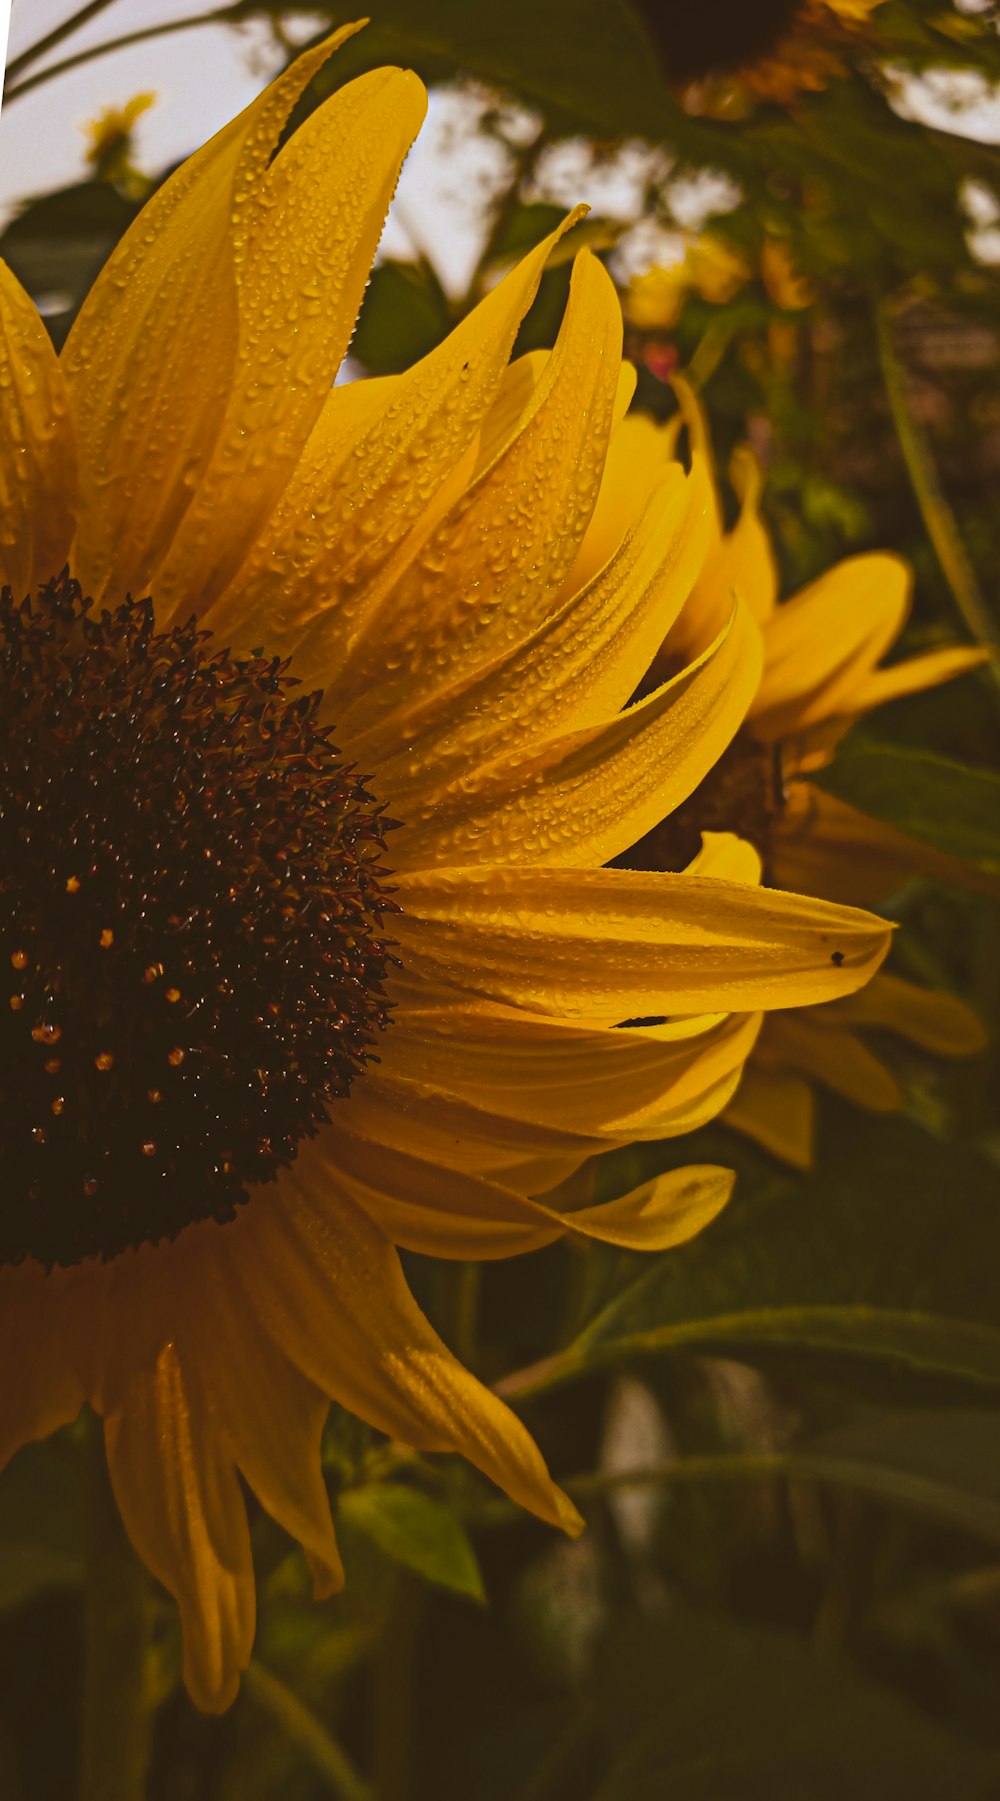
(422, 548)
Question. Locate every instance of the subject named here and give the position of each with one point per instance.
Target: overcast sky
(204, 75)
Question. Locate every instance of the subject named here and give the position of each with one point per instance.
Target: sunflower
(821, 669)
(263, 637)
(722, 57)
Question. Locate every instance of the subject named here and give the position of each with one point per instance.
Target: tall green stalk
(114, 1755)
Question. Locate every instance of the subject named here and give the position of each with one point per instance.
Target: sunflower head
(190, 913)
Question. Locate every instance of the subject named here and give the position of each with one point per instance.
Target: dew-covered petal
(823, 644)
(336, 542)
(580, 665)
(485, 578)
(618, 944)
(327, 1284)
(300, 279)
(37, 448)
(585, 797)
(639, 456)
(151, 358)
(180, 1499)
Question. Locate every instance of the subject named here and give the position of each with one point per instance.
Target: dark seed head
(191, 896)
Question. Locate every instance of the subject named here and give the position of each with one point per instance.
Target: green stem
(117, 1618)
(223, 15)
(394, 1695)
(57, 35)
(939, 520)
(708, 354)
(302, 1729)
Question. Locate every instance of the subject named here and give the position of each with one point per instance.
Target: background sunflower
(782, 1434)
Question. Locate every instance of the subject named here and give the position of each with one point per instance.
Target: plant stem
(117, 1617)
(301, 1728)
(939, 520)
(223, 15)
(394, 1696)
(57, 35)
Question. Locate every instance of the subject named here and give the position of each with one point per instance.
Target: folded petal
(37, 447)
(180, 1499)
(917, 673)
(599, 1082)
(618, 944)
(327, 1284)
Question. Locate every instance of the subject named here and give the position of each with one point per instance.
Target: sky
(205, 74)
(202, 77)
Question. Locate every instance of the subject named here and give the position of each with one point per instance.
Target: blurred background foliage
(785, 1436)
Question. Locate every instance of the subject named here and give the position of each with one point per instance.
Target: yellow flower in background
(109, 143)
(716, 271)
(822, 653)
(311, 945)
(809, 53)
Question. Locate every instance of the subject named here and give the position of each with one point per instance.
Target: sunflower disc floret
(190, 908)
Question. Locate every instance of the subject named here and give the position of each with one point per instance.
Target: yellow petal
(151, 358)
(41, 1388)
(598, 1082)
(37, 452)
(181, 1503)
(444, 1214)
(664, 1212)
(916, 674)
(638, 457)
(514, 533)
(328, 1286)
(339, 542)
(822, 645)
(301, 279)
(926, 1016)
(584, 662)
(584, 798)
(830, 1054)
(824, 846)
(269, 1414)
(618, 944)
(777, 1111)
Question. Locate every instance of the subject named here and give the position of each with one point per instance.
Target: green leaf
(884, 1256)
(701, 1709)
(417, 1532)
(950, 805)
(405, 315)
(946, 1463)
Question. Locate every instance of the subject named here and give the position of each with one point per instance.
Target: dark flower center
(693, 41)
(190, 923)
(743, 793)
